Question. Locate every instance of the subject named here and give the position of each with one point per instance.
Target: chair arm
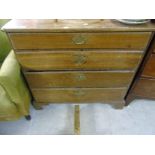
(12, 81)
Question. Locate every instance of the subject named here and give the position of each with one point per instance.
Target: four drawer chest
(79, 61)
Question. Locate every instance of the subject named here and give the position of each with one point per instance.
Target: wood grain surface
(149, 69)
(76, 25)
(79, 79)
(145, 88)
(79, 60)
(79, 95)
(132, 40)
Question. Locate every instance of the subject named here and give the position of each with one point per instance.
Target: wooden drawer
(75, 95)
(145, 88)
(86, 60)
(149, 69)
(79, 79)
(132, 40)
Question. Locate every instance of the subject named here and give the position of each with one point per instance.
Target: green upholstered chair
(5, 46)
(14, 94)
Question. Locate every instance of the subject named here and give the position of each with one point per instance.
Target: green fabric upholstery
(14, 95)
(5, 46)
(8, 110)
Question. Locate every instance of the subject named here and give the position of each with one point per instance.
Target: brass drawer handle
(79, 59)
(79, 93)
(80, 77)
(79, 40)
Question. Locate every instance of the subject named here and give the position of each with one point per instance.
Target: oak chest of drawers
(78, 62)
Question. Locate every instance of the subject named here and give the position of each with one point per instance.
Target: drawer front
(76, 95)
(145, 88)
(79, 79)
(132, 40)
(149, 69)
(86, 60)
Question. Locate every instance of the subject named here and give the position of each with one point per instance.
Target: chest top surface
(74, 25)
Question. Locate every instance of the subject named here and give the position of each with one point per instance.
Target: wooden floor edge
(77, 119)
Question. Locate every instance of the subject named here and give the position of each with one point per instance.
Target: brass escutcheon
(79, 93)
(79, 59)
(79, 39)
(80, 77)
